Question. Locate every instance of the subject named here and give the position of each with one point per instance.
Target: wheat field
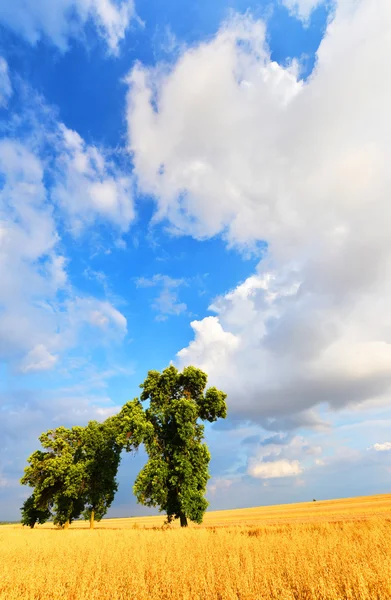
(333, 550)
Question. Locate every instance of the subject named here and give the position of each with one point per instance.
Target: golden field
(332, 550)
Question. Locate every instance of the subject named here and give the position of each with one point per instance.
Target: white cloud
(27, 236)
(38, 359)
(5, 83)
(280, 457)
(385, 447)
(278, 353)
(101, 315)
(63, 20)
(37, 323)
(51, 180)
(167, 302)
(89, 186)
(211, 346)
(231, 143)
(220, 484)
(274, 469)
(302, 8)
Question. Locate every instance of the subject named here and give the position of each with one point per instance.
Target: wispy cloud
(89, 186)
(5, 83)
(52, 180)
(302, 9)
(63, 20)
(167, 302)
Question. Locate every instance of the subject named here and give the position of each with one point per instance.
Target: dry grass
(337, 550)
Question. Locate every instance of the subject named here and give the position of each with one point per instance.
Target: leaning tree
(74, 474)
(76, 471)
(56, 473)
(175, 476)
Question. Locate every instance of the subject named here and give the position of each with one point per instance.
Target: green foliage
(31, 514)
(100, 462)
(55, 473)
(130, 425)
(67, 508)
(76, 473)
(176, 473)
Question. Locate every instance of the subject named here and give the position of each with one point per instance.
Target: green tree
(130, 425)
(32, 515)
(76, 472)
(101, 456)
(176, 474)
(56, 474)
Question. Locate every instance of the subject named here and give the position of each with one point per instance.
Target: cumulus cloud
(5, 83)
(167, 302)
(334, 463)
(385, 447)
(212, 345)
(231, 143)
(274, 469)
(63, 20)
(281, 457)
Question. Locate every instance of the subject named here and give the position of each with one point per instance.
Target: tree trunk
(92, 521)
(183, 520)
(66, 524)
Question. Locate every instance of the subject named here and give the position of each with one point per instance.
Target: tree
(77, 471)
(176, 474)
(32, 515)
(101, 455)
(56, 474)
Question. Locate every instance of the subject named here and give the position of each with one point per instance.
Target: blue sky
(202, 183)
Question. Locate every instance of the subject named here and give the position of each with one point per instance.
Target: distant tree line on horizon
(75, 473)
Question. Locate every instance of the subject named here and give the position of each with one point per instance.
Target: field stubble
(340, 559)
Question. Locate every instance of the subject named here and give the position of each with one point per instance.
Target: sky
(204, 183)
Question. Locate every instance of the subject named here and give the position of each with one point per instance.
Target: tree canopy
(75, 472)
(176, 474)
(100, 458)
(55, 474)
(31, 514)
